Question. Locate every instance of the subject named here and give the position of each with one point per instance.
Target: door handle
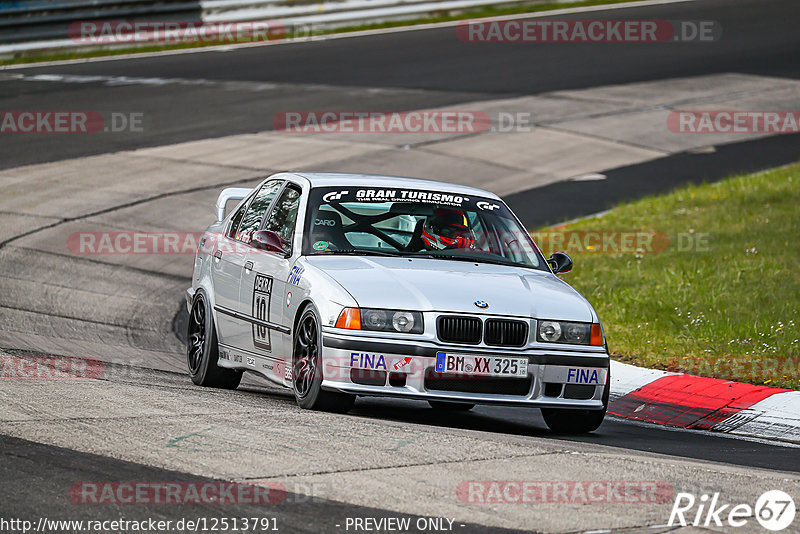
(218, 254)
(248, 266)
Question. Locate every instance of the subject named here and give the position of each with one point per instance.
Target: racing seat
(327, 226)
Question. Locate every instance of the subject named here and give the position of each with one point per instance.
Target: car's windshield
(416, 223)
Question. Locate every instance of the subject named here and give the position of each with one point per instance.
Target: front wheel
(307, 368)
(567, 421)
(202, 350)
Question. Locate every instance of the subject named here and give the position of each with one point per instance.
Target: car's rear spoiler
(229, 194)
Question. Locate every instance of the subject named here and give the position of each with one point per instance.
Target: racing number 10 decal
(262, 293)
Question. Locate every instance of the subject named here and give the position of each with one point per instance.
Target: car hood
(454, 286)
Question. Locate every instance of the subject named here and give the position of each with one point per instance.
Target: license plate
(481, 365)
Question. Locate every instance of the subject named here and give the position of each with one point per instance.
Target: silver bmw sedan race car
(345, 285)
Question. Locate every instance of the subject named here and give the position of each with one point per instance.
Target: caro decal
(583, 376)
(262, 295)
(401, 363)
(333, 195)
(363, 360)
(267, 366)
(295, 275)
(324, 222)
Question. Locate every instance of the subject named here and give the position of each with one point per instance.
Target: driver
(447, 228)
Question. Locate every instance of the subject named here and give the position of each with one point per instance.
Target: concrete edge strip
(702, 403)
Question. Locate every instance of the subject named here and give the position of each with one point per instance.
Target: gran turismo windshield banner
(416, 222)
(367, 194)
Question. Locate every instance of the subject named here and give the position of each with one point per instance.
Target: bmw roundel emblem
(481, 304)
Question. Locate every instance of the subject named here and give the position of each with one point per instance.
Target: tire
(567, 421)
(202, 349)
(307, 368)
(451, 406)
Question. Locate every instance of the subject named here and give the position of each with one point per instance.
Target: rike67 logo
(774, 510)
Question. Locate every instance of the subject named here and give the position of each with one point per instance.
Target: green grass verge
(37, 57)
(729, 305)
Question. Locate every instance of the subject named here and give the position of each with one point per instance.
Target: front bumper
(548, 383)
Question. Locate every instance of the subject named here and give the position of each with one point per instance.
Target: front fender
(319, 288)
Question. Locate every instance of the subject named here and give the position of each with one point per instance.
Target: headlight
(405, 322)
(571, 333)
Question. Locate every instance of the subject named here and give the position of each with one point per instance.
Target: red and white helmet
(447, 228)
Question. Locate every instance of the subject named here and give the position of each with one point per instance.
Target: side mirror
(268, 241)
(560, 263)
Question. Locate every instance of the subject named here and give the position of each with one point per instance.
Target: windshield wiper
(483, 260)
(356, 252)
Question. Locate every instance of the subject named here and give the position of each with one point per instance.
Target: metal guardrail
(28, 26)
(34, 20)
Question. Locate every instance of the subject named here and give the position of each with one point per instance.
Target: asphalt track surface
(403, 71)
(53, 470)
(397, 71)
(566, 200)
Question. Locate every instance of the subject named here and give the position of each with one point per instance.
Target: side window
(235, 220)
(256, 210)
(284, 215)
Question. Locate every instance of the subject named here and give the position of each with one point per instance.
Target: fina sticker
(363, 360)
(320, 245)
(582, 375)
(295, 275)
